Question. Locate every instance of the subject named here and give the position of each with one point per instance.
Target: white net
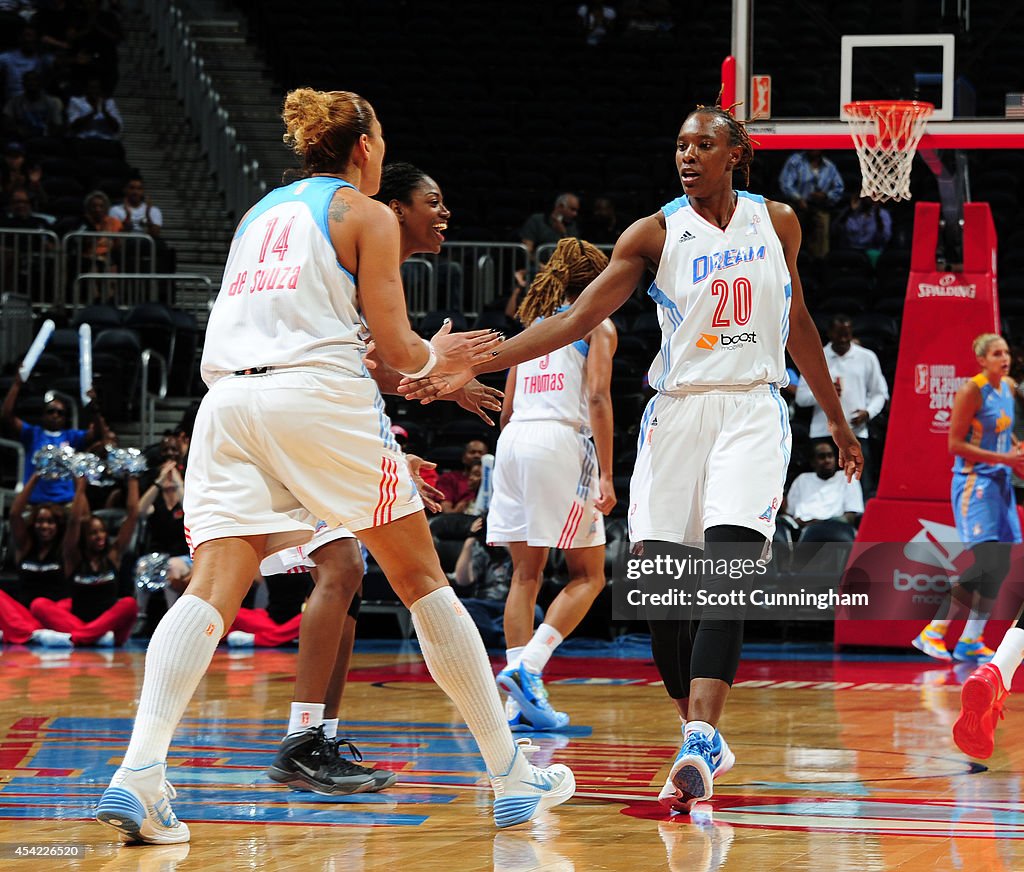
(886, 135)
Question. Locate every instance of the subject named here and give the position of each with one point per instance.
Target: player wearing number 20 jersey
(714, 442)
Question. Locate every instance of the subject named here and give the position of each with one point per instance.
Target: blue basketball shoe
(527, 690)
(973, 651)
(525, 790)
(137, 805)
(700, 760)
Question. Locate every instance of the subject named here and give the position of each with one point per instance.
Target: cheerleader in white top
(714, 441)
(293, 430)
(552, 482)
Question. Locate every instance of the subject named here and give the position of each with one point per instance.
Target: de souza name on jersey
(708, 264)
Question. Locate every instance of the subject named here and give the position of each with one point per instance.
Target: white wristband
(428, 366)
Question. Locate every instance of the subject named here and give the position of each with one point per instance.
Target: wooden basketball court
(841, 764)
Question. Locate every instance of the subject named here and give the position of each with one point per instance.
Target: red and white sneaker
(981, 708)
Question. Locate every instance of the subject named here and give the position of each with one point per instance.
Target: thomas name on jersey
(707, 264)
(539, 384)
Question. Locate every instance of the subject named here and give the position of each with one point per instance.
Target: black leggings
(710, 646)
(990, 567)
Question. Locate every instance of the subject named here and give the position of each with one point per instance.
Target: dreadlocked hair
(737, 132)
(573, 265)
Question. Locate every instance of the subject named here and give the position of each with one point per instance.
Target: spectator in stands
(456, 485)
(94, 116)
(824, 506)
(603, 227)
(53, 431)
(38, 535)
(483, 577)
(98, 611)
(27, 57)
(34, 112)
(19, 171)
(92, 36)
(161, 506)
(811, 184)
(135, 212)
(541, 229)
(860, 384)
(863, 225)
(596, 19)
(96, 251)
(19, 213)
(138, 215)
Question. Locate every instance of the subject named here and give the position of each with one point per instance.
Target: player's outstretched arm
(637, 248)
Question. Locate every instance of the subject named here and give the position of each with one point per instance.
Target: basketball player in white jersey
(552, 484)
(714, 442)
(333, 554)
(293, 429)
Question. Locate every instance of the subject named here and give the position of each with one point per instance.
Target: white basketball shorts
(274, 453)
(545, 484)
(707, 459)
(302, 557)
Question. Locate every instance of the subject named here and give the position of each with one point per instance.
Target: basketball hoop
(886, 134)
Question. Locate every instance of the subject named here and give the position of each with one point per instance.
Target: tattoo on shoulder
(337, 209)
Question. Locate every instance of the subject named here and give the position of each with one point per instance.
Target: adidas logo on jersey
(687, 236)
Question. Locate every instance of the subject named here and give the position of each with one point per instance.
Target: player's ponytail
(573, 265)
(321, 127)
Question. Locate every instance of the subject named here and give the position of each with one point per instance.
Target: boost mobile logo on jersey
(708, 341)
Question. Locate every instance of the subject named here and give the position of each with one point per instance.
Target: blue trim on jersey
(746, 195)
(386, 435)
(677, 204)
(642, 435)
(784, 422)
(589, 462)
(316, 195)
(789, 290)
(582, 347)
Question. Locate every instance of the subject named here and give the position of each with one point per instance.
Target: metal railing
(96, 252)
(15, 326)
(236, 172)
(147, 398)
(192, 292)
(464, 277)
(30, 264)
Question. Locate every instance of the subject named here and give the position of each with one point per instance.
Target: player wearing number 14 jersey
(714, 442)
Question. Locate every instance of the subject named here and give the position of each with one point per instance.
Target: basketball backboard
(819, 59)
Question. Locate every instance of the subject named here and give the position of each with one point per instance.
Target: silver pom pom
(125, 461)
(48, 463)
(88, 466)
(151, 571)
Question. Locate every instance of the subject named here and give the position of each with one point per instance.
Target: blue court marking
(855, 788)
(235, 787)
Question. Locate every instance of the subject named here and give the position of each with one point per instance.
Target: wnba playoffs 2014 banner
(943, 312)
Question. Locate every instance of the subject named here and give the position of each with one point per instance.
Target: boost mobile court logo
(935, 545)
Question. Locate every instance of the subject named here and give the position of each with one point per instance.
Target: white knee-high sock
(457, 661)
(512, 656)
(179, 654)
(1009, 654)
(539, 649)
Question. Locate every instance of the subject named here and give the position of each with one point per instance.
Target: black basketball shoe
(382, 778)
(310, 761)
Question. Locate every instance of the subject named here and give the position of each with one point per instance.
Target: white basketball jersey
(553, 387)
(723, 300)
(285, 300)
